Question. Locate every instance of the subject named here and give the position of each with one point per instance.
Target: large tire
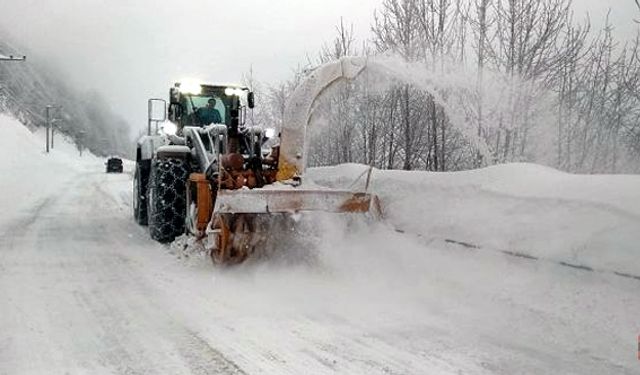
(140, 186)
(167, 198)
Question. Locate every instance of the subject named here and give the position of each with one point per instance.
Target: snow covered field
(515, 269)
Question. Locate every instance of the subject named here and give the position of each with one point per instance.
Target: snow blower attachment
(232, 207)
(238, 229)
(212, 174)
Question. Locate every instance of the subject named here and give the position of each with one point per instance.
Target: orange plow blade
(243, 219)
(295, 200)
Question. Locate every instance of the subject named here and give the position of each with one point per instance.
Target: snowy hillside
(430, 290)
(27, 88)
(28, 173)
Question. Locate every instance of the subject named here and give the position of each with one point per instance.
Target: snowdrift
(587, 221)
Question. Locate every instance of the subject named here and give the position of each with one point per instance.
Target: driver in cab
(209, 114)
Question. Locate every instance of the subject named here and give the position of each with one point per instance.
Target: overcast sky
(131, 50)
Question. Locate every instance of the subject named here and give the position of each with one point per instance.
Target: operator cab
(194, 104)
(213, 106)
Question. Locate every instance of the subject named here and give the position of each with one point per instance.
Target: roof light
(190, 86)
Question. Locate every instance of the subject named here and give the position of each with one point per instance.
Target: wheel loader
(204, 172)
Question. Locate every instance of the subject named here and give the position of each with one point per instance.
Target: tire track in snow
(202, 359)
(199, 356)
(20, 226)
(90, 309)
(196, 353)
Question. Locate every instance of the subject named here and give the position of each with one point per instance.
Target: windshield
(197, 111)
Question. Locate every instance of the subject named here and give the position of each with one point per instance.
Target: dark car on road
(114, 165)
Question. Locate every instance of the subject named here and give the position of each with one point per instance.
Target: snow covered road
(84, 291)
(72, 303)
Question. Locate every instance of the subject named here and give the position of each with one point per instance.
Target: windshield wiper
(195, 110)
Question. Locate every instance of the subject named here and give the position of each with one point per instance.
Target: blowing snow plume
(444, 115)
(479, 106)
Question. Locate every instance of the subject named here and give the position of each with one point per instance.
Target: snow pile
(29, 175)
(522, 208)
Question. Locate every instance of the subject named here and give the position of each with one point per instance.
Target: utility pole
(50, 122)
(48, 127)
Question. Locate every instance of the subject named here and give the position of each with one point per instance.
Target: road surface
(84, 291)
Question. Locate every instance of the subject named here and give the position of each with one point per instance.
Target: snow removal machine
(203, 171)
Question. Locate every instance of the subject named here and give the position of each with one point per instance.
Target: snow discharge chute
(293, 147)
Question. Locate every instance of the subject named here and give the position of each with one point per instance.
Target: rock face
(26, 88)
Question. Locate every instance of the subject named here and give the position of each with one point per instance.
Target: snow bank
(29, 175)
(589, 220)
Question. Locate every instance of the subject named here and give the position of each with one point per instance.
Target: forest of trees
(532, 81)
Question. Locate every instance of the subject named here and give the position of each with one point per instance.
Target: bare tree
(547, 89)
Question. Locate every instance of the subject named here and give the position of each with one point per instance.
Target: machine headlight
(169, 128)
(270, 132)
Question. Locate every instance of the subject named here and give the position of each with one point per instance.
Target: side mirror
(251, 99)
(174, 95)
(157, 110)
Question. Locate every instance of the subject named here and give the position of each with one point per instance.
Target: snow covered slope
(28, 173)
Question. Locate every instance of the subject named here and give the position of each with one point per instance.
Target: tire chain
(167, 198)
(141, 187)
